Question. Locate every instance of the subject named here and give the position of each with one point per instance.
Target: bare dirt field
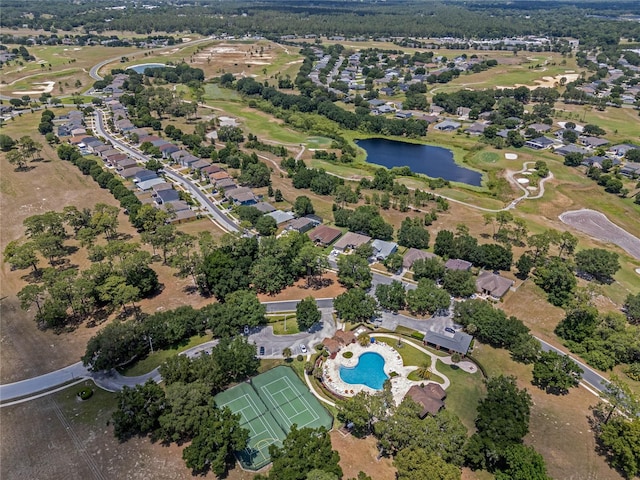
(600, 227)
(59, 436)
(361, 455)
(299, 290)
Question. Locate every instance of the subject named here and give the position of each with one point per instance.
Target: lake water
(141, 68)
(432, 161)
(369, 371)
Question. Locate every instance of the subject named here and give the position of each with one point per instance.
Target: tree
(555, 373)
(6, 142)
(213, 448)
(632, 308)
(598, 262)
(412, 234)
(502, 420)
(21, 256)
(188, 406)
(573, 159)
(303, 206)
(117, 344)
(361, 410)
(353, 271)
(620, 439)
(28, 147)
(392, 296)
(393, 262)
(524, 266)
(286, 353)
(557, 280)
(522, 463)
(419, 464)
(302, 451)
(32, 294)
(311, 262)
(427, 298)
(431, 268)
(444, 244)
(459, 283)
(138, 410)
(355, 305)
(307, 313)
(266, 226)
(578, 324)
(15, 157)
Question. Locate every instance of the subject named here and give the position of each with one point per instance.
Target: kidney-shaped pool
(369, 371)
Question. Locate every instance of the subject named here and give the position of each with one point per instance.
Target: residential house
(447, 126)
(593, 142)
(167, 149)
(301, 224)
(458, 342)
(539, 143)
(200, 164)
(130, 172)
(631, 170)
(597, 161)
(351, 240)
(144, 175)
(540, 128)
(188, 160)
(265, 207)
(149, 183)
(210, 169)
(126, 163)
(110, 151)
(414, 254)
(241, 196)
(571, 148)
(182, 216)
(164, 196)
(116, 158)
(281, 217)
(430, 397)
(227, 184)
(175, 206)
(324, 235)
(382, 249)
(489, 283)
(476, 128)
(621, 150)
(457, 264)
(404, 115)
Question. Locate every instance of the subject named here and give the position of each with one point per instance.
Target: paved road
(219, 217)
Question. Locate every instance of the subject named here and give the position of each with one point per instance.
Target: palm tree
(364, 339)
(286, 353)
(424, 372)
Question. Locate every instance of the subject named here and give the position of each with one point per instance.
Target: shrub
(417, 336)
(300, 358)
(347, 354)
(85, 393)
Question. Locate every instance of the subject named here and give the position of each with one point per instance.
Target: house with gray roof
(265, 207)
(458, 342)
(281, 217)
(594, 142)
(301, 224)
(539, 143)
(571, 148)
(168, 195)
(447, 126)
(382, 249)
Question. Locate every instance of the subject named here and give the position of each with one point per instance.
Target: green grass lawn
(464, 393)
(410, 356)
(158, 357)
(283, 324)
(96, 409)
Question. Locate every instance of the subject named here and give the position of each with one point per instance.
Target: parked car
(449, 329)
(261, 351)
(246, 329)
(303, 349)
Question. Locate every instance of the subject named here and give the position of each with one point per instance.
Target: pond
(432, 161)
(142, 67)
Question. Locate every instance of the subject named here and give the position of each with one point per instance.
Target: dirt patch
(361, 455)
(600, 227)
(299, 290)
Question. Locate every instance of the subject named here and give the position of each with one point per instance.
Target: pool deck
(400, 384)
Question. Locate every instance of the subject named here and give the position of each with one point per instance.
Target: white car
(303, 349)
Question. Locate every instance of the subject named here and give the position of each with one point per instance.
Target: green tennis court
(269, 405)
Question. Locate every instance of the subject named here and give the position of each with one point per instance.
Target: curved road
(219, 217)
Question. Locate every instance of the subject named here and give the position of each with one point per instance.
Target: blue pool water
(144, 66)
(369, 371)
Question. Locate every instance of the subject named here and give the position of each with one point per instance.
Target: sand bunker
(600, 227)
(511, 156)
(47, 87)
(547, 81)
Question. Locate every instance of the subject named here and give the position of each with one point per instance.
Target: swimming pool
(369, 371)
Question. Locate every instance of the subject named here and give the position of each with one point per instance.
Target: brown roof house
(489, 283)
(351, 240)
(324, 235)
(430, 397)
(414, 254)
